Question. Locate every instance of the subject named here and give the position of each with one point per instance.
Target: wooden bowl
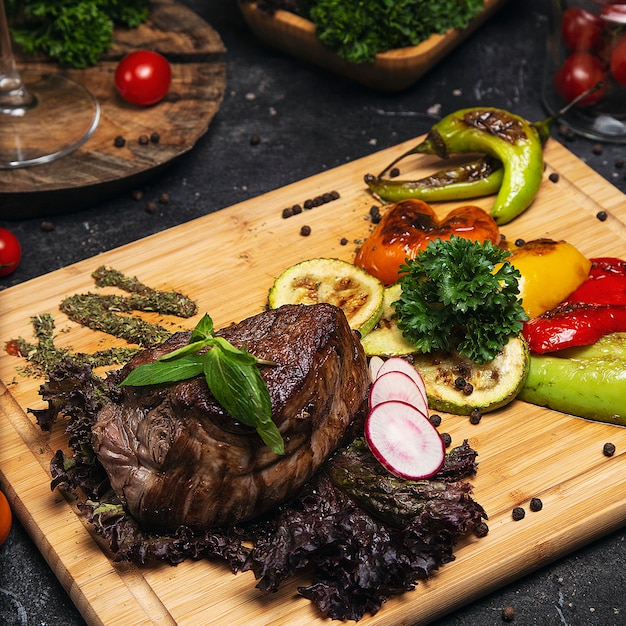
(393, 70)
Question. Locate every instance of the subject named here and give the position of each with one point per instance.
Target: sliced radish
(395, 385)
(375, 364)
(404, 441)
(397, 364)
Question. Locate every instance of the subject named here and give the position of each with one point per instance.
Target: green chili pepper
(504, 136)
(500, 134)
(473, 179)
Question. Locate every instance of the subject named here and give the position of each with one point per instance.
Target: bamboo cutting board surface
(227, 261)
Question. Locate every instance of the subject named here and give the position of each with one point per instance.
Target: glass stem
(13, 94)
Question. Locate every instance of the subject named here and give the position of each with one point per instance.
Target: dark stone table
(309, 120)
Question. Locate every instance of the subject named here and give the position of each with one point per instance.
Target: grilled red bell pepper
(606, 283)
(595, 309)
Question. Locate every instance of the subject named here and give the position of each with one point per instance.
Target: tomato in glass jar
(581, 30)
(580, 71)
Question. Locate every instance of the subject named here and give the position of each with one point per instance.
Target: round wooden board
(99, 168)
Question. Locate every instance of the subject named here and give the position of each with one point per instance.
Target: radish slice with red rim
(375, 364)
(395, 385)
(397, 364)
(403, 441)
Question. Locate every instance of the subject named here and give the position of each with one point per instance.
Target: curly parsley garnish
(232, 376)
(460, 295)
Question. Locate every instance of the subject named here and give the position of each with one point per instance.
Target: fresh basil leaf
(190, 348)
(203, 330)
(160, 372)
(241, 391)
(241, 356)
(271, 437)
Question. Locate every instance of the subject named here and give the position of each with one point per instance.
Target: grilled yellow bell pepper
(550, 271)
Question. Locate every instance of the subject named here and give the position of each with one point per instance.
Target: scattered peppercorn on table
(212, 227)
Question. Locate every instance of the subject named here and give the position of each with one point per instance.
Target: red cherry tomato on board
(10, 252)
(618, 61)
(582, 30)
(6, 518)
(579, 72)
(143, 77)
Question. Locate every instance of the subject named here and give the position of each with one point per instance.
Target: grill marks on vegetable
(497, 123)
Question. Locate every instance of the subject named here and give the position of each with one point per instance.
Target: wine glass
(43, 116)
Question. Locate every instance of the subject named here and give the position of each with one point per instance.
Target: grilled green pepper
(500, 134)
(473, 179)
(589, 383)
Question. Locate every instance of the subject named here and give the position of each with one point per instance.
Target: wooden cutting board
(227, 262)
(99, 168)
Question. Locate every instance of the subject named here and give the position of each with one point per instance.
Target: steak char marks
(174, 456)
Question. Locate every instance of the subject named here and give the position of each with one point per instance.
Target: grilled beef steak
(175, 457)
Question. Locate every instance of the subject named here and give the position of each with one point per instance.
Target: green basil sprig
(232, 376)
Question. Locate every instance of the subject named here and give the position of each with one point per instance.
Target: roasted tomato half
(408, 226)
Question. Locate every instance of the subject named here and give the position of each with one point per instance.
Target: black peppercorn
(155, 137)
(296, 209)
(255, 140)
(447, 439)
(481, 529)
(536, 504)
(136, 194)
(287, 212)
(566, 132)
(119, 141)
(602, 215)
(475, 416)
(164, 198)
(435, 420)
(597, 148)
(394, 172)
(343, 241)
(608, 449)
(151, 207)
(305, 231)
(459, 383)
(619, 163)
(143, 140)
(554, 177)
(47, 226)
(508, 613)
(518, 513)
(519, 242)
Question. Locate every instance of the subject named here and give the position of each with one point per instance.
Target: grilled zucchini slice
(352, 289)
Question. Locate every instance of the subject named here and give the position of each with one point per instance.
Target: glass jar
(587, 46)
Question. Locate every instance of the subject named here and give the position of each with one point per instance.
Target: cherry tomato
(579, 72)
(618, 61)
(582, 30)
(143, 77)
(6, 518)
(409, 226)
(10, 252)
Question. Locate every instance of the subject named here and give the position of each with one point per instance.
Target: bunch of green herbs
(358, 30)
(460, 295)
(76, 33)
